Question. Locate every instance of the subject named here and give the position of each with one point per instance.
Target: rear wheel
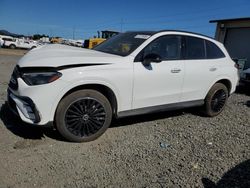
(83, 116)
(216, 99)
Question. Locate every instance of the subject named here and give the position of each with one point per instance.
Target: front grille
(13, 84)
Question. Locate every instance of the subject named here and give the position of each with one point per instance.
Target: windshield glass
(123, 44)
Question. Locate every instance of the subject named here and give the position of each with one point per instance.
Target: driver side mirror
(149, 58)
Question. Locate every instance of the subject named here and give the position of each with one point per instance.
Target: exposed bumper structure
(24, 107)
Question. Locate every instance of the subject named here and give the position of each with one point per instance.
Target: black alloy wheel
(83, 115)
(216, 100)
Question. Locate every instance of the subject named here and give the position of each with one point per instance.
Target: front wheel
(12, 46)
(215, 100)
(83, 115)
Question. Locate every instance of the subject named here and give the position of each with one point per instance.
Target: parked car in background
(245, 79)
(5, 38)
(20, 43)
(1, 42)
(81, 90)
(79, 43)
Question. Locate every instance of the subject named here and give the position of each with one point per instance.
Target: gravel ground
(173, 149)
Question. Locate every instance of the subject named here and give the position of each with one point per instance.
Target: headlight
(40, 77)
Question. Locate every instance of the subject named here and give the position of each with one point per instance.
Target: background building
(235, 35)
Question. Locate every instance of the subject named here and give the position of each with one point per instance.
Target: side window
(195, 48)
(213, 51)
(168, 47)
(8, 39)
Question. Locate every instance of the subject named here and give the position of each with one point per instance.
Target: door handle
(175, 70)
(213, 69)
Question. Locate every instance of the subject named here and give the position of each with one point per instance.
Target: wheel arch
(225, 81)
(103, 89)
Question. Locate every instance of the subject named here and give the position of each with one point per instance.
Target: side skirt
(160, 108)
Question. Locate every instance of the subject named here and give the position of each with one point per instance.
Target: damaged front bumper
(24, 107)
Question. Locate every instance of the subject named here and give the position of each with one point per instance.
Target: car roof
(178, 31)
(186, 32)
(143, 32)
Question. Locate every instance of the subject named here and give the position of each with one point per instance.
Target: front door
(159, 83)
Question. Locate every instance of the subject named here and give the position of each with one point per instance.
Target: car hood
(55, 55)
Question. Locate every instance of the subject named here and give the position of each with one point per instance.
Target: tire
(83, 116)
(12, 46)
(216, 100)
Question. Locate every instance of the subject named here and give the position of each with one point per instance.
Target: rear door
(203, 60)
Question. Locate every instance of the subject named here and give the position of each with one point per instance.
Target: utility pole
(122, 24)
(50, 32)
(74, 33)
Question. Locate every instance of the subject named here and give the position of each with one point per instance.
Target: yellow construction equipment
(56, 40)
(92, 42)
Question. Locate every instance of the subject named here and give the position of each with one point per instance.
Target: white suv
(19, 43)
(80, 90)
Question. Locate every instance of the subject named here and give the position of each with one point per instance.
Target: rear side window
(213, 51)
(195, 48)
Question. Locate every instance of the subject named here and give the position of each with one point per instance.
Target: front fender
(72, 85)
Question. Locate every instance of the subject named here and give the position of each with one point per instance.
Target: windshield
(123, 44)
